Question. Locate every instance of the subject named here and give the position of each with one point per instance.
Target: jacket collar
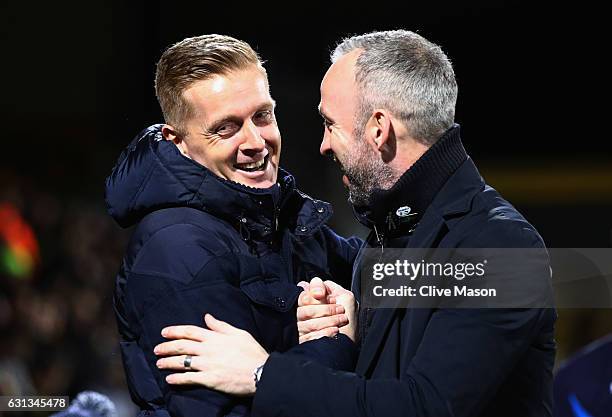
(399, 209)
(449, 206)
(152, 174)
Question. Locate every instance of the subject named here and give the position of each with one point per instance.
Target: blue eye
(227, 129)
(264, 116)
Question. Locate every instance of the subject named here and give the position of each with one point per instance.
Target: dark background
(77, 84)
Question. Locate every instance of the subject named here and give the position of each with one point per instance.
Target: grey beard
(366, 172)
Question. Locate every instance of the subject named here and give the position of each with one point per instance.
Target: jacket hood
(151, 174)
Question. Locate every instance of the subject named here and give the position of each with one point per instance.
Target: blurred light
(19, 252)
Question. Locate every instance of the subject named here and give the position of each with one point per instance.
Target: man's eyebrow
(267, 106)
(217, 123)
(235, 119)
(322, 113)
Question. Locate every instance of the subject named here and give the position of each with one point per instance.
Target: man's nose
(325, 148)
(253, 141)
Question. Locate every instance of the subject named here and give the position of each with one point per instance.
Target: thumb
(317, 288)
(333, 288)
(218, 325)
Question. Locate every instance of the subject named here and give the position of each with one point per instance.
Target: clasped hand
(325, 309)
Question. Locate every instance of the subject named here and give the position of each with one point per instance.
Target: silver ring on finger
(187, 362)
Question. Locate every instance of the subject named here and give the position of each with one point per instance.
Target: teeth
(252, 165)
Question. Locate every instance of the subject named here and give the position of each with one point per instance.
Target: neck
(421, 177)
(409, 151)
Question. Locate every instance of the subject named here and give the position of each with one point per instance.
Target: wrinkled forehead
(235, 91)
(235, 80)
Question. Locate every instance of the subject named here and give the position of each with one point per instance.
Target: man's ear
(379, 133)
(170, 133)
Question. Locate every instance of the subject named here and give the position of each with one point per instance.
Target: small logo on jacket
(403, 211)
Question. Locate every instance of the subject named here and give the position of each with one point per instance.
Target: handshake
(325, 309)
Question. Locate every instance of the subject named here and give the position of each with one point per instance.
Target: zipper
(380, 239)
(276, 215)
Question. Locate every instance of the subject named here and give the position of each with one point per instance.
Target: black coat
(206, 245)
(434, 362)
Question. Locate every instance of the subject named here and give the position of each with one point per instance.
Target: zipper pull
(276, 213)
(380, 239)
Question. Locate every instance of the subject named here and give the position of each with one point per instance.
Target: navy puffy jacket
(206, 245)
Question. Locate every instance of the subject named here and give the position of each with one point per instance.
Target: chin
(265, 178)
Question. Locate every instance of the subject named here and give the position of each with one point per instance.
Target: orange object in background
(19, 252)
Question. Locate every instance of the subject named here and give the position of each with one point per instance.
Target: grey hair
(406, 74)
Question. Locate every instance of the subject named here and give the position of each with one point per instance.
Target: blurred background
(77, 85)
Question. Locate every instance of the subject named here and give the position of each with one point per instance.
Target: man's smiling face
(343, 139)
(233, 130)
(338, 107)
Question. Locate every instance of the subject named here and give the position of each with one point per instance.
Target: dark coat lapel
(453, 199)
(422, 238)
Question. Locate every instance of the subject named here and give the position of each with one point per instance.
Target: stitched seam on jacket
(150, 238)
(145, 179)
(170, 173)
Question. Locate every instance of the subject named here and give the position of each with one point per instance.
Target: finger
(178, 363)
(329, 332)
(184, 332)
(220, 326)
(313, 312)
(317, 288)
(177, 347)
(338, 292)
(333, 288)
(313, 325)
(306, 299)
(185, 378)
(304, 285)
